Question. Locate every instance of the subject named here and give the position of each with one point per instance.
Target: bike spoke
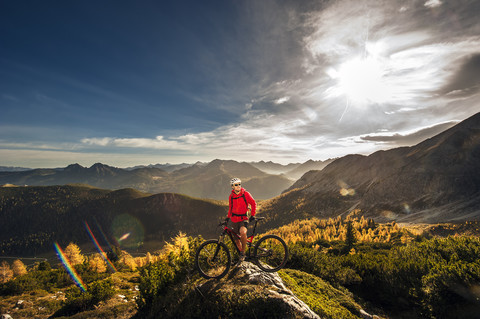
(271, 253)
(213, 260)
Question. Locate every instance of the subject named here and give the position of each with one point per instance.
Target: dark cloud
(413, 138)
(467, 80)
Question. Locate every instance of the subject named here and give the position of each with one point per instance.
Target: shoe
(241, 258)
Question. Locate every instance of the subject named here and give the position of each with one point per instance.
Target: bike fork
(217, 249)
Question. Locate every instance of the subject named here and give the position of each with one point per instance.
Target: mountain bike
(213, 258)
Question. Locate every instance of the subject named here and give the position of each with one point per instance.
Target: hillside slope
(33, 218)
(436, 180)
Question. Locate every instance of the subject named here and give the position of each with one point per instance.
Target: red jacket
(238, 205)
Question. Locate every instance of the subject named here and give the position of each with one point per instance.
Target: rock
(250, 273)
(247, 275)
(22, 304)
(253, 275)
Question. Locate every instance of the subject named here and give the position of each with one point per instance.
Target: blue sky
(139, 82)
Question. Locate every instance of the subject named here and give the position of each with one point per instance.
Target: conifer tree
(350, 239)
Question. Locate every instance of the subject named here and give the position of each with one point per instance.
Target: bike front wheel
(271, 253)
(213, 259)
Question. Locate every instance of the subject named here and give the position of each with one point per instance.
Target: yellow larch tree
(97, 263)
(74, 254)
(19, 268)
(6, 272)
(128, 260)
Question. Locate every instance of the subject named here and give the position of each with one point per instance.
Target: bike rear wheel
(271, 253)
(213, 259)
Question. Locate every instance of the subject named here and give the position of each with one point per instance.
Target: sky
(130, 83)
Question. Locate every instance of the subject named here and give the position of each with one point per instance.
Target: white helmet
(235, 181)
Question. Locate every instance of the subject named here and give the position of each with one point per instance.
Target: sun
(362, 80)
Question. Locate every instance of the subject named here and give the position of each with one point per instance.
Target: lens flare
(345, 190)
(71, 271)
(389, 214)
(128, 231)
(102, 253)
(124, 237)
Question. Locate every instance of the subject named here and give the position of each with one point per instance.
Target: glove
(251, 219)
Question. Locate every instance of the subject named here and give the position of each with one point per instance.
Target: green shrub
(44, 265)
(428, 278)
(157, 278)
(77, 301)
(36, 279)
(320, 264)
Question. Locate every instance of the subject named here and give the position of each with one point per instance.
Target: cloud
(409, 138)
(433, 3)
(247, 140)
(282, 100)
(157, 143)
(467, 79)
(10, 97)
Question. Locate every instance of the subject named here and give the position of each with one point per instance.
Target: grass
(320, 296)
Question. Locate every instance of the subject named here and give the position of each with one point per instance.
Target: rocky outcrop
(262, 288)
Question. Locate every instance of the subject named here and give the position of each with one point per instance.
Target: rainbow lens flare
(103, 235)
(71, 271)
(100, 250)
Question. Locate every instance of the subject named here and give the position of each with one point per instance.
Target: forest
(336, 266)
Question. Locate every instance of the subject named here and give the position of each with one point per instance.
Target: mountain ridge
(435, 180)
(202, 180)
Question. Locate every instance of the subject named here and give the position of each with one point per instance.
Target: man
(240, 202)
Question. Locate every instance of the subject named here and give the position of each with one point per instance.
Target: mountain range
(292, 171)
(203, 180)
(437, 180)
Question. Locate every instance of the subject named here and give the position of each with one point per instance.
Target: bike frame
(233, 235)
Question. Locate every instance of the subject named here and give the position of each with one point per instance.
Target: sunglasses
(237, 184)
